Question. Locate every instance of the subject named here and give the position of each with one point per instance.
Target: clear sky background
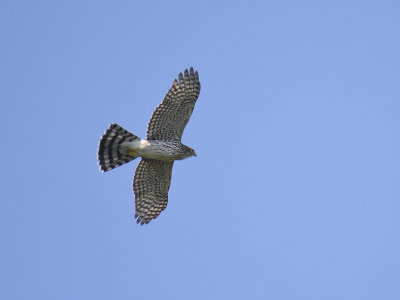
(295, 193)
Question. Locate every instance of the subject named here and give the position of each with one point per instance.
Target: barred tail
(110, 154)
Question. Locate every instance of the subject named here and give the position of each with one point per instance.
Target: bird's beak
(195, 154)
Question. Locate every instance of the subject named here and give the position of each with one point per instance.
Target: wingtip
(187, 73)
(140, 220)
(192, 71)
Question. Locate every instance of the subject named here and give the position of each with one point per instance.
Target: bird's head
(189, 152)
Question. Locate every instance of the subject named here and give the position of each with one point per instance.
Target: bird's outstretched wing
(150, 185)
(171, 116)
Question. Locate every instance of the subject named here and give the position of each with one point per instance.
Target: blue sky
(295, 193)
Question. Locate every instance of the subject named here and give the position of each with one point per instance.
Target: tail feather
(110, 154)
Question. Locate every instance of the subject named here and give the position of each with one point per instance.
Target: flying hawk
(158, 151)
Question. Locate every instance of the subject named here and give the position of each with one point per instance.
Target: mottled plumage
(160, 149)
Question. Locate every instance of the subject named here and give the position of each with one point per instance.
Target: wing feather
(170, 118)
(150, 185)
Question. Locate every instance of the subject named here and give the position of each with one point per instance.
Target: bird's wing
(150, 185)
(171, 116)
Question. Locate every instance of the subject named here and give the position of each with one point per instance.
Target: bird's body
(159, 150)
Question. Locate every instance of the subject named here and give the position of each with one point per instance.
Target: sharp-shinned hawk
(159, 150)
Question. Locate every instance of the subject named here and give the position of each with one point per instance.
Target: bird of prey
(158, 151)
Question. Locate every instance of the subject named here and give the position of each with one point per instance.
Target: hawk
(158, 151)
